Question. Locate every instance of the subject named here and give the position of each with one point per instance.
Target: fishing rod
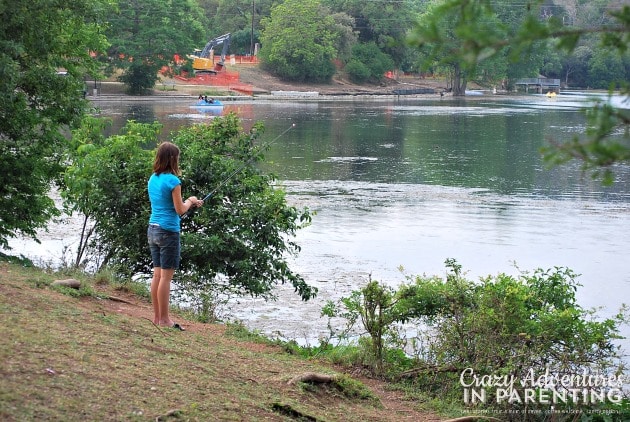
(192, 209)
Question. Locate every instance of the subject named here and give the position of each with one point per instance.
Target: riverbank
(94, 354)
(263, 84)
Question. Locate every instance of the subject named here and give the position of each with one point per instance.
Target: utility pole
(251, 45)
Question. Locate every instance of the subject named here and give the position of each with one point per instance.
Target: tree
(530, 58)
(384, 23)
(368, 57)
(145, 34)
(455, 37)
(598, 151)
(44, 56)
(238, 17)
(236, 244)
(576, 66)
(239, 241)
(588, 17)
(493, 71)
(604, 67)
(347, 37)
(552, 64)
(298, 41)
(106, 183)
(242, 41)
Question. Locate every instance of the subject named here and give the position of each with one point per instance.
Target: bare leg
(155, 283)
(163, 296)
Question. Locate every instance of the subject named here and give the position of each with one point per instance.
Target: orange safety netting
(223, 78)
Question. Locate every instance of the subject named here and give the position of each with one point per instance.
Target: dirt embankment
(262, 83)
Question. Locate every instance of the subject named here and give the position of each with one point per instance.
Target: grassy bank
(94, 354)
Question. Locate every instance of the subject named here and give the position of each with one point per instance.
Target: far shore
(107, 91)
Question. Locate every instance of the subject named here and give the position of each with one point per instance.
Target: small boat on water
(209, 103)
(210, 106)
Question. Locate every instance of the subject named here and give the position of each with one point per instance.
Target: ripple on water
(368, 231)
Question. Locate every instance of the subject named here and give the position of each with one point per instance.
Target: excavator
(203, 60)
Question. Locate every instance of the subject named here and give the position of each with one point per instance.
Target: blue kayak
(209, 103)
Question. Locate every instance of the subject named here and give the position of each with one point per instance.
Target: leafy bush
(39, 105)
(106, 182)
(500, 326)
(298, 41)
(139, 78)
(374, 62)
(238, 242)
(357, 71)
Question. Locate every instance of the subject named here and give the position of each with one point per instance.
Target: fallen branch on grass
(156, 326)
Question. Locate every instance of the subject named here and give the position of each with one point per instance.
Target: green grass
(77, 356)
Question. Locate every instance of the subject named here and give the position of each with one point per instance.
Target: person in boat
(210, 101)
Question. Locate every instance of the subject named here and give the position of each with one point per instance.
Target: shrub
(357, 71)
(375, 62)
(502, 326)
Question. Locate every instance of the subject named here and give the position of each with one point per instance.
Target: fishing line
(192, 209)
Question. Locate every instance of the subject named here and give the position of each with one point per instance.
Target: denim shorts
(165, 247)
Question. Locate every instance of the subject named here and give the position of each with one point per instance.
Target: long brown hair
(166, 159)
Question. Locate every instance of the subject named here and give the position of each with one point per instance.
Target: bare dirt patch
(263, 82)
(340, 85)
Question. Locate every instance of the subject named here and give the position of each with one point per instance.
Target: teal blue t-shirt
(161, 195)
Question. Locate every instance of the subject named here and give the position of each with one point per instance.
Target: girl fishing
(165, 194)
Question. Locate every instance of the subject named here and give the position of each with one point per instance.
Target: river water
(405, 183)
